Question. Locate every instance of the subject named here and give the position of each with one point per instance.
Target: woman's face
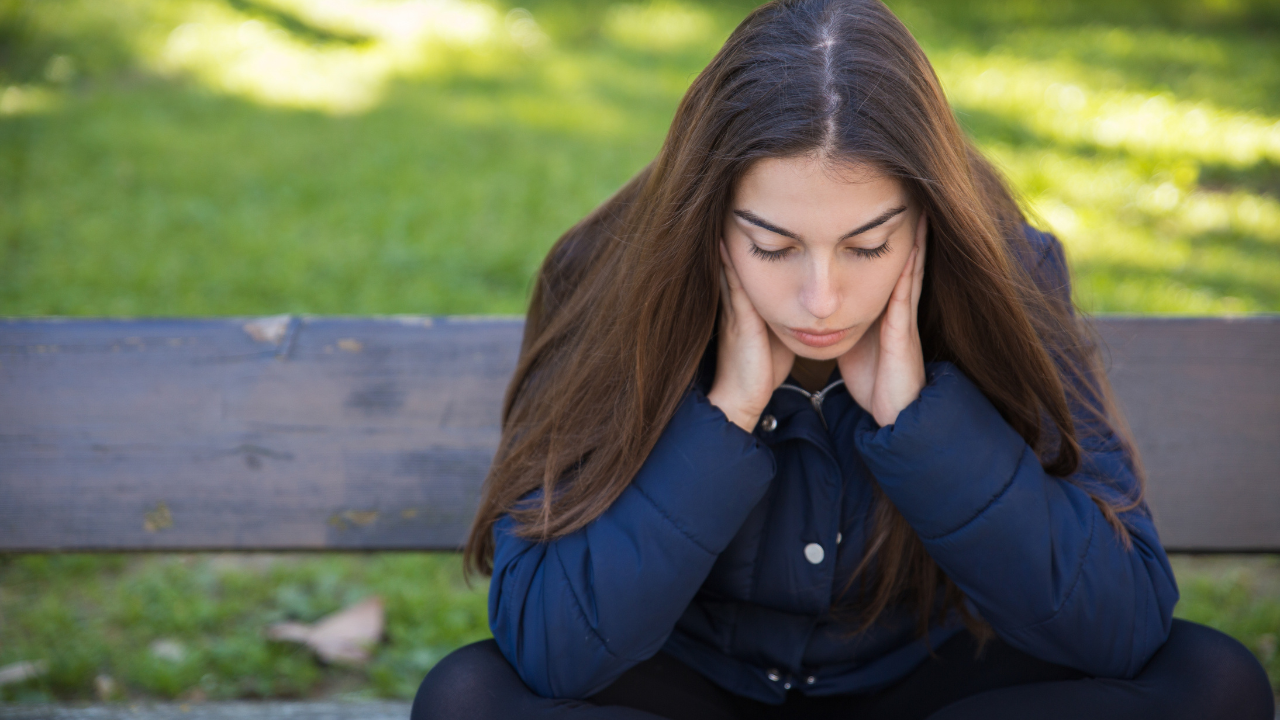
(818, 247)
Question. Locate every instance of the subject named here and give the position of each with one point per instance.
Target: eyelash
(874, 252)
(768, 254)
(771, 255)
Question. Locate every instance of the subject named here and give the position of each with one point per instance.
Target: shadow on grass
(1228, 55)
(1262, 178)
(295, 24)
(438, 201)
(987, 128)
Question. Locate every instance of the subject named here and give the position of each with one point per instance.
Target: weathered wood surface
(320, 433)
(1202, 396)
(358, 433)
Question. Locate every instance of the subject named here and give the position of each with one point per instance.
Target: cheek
(864, 289)
(872, 286)
(769, 289)
(769, 286)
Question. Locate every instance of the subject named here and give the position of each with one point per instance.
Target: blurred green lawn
(221, 157)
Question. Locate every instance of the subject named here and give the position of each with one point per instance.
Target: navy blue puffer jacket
(728, 549)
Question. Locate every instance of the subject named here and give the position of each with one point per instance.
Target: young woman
(804, 426)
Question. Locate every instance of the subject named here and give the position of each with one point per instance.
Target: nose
(820, 295)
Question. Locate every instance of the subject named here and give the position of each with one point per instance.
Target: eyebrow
(876, 222)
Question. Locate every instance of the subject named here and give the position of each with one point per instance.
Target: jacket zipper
(815, 399)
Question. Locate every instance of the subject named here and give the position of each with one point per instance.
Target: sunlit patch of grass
(456, 22)
(245, 57)
(1060, 104)
(1159, 243)
(28, 100)
(1107, 131)
(440, 198)
(1232, 71)
(1141, 231)
(660, 26)
(228, 50)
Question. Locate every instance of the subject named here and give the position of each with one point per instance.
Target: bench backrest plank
(1202, 396)
(375, 433)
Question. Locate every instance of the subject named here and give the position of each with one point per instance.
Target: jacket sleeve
(1032, 552)
(574, 613)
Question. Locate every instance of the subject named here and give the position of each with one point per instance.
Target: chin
(820, 353)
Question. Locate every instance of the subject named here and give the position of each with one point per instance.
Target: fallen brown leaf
(343, 637)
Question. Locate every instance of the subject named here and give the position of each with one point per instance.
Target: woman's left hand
(884, 372)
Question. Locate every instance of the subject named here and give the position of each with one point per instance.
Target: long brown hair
(625, 304)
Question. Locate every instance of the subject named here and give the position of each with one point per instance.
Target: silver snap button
(768, 423)
(773, 676)
(814, 553)
(839, 538)
(810, 680)
(786, 686)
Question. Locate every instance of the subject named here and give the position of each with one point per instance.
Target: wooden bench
(314, 433)
(374, 433)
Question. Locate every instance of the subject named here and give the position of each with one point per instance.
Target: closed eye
(874, 252)
(768, 254)
(869, 253)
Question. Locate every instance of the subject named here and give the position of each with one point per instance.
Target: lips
(819, 338)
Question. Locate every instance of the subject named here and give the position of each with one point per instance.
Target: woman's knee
(1211, 673)
(470, 682)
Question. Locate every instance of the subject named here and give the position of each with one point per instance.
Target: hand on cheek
(884, 372)
(751, 362)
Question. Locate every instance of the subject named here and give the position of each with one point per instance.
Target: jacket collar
(791, 406)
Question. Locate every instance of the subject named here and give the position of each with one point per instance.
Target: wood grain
(375, 433)
(191, 434)
(1202, 396)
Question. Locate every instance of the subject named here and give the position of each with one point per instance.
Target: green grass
(149, 166)
(217, 157)
(99, 615)
(91, 615)
(1237, 595)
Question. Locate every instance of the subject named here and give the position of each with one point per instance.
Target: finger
(902, 288)
(726, 300)
(726, 290)
(898, 312)
(783, 358)
(917, 285)
(858, 365)
(730, 272)
(738, 296)
(868, 346)
(922, 233)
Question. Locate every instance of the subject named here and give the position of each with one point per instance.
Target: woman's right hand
(751, 362)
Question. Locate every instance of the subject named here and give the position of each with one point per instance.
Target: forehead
(815, 197)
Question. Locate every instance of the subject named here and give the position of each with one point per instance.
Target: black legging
(1199, 673)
